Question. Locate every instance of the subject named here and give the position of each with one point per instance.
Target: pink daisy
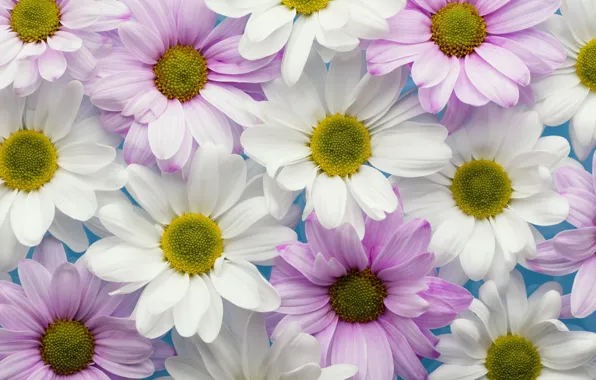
(44, 39)
(369, 303)
(469, 52)
(180, 80)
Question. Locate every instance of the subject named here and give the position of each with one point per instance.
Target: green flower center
(67, 347)
(358, 297)
(35, 20)
(513, 357)
(191, 243)
(340, 145)
(458, 29)
(586, 65)
(28, 160)
(306, 7)
(481, 188)
(180, 73)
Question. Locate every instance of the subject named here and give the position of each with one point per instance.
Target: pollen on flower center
(481, 188)
(513, 357)
(306, 7)
(67, 347)
(35, 20)
(586, 65)
(28, 160)
(191, 243)
(458, 29)
(358, 297)
(340, 145)
(180, 73)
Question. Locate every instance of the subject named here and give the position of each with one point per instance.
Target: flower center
(180, 73)
(35, 20)
(191, 243)
(586, 65)
(481, 188)
(67, 347)
(358, 297)
(340, 145)
(28, 160)
(458, 29)
(513, 357)
(305, 7)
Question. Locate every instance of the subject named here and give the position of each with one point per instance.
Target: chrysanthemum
(482, 203)
(43, 39)
(54, 157)
(568, 94)
(181, 79)
(335, 132)
(574, 250)
(369, 303)
(63, 324)
(299, 25)
(192, 245)
(514, 337)
(242, 352)
(472, 52)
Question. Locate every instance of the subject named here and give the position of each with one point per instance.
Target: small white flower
(512, 336)
(191, 244)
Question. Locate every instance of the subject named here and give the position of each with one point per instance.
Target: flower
(299, 25)
(369, 303)
(482, 203)
(573, 250)
(180, 80)
(472, 52)
(321, 133)
(62, 323)
(44, 39)
(193, 244)
(242, 352)
(568, 93)
(512, 336)
(54, 159)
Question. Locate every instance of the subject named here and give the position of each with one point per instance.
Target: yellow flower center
(180, 73)
(28, 160)
(306, 7)
(458, 29)
(513, 357)
(358, 297)
(191, 243)
(67, 347)
(340, 145)
(586, 65)
(35, 20)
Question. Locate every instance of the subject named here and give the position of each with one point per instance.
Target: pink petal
(141, 41)
(194, 22)
(385, 56)
(349, 347)
(156, 16)
(435, 98)
(178, 160)
(52, 65)
(28, 79)
(207, 124)
(431, 68)
(490, 82)
(35, 280)
(457, 111)
(146, 106)
(64, 41)
(466, 91)
(418, 342)
(113, 92)
(50, 253)
(520, 14)
(582, 207)
(583, 294)
(433, 6)
(506, 62)
(485, 7)
(406, 363)
(21, 364)
(81, 64)
(65, 291)
(439, 314)
(114, 122)
(10, 49)
(569, 177)
(167, 132)
(576, 245)
(136, 147)
(231, 101)
(406, 305)
(549, 261)
(380, 359)
(409, 26)
(414, 268)
(456, 296)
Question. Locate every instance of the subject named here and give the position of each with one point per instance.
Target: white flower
(320, 134)
(328, 25)
(481, 203)
(243, 353)
(54, 160)
(191, 244)
(511, 336)
(569, 92)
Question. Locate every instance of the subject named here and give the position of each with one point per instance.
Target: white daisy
(189, 246)
(243, 353)
(54, 159)
(335, 132)
(511, 336)
(569, 93)
(330, 25)
(481, 204)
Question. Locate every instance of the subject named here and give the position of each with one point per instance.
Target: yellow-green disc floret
(35, 20)
(191, 243)
(481, 188)
(306, 7)
(340, 145)
(458, 29)
(67, 347)
(513, 357)
(181, 73)
(358, 297)
(28, 160)
(586, 65)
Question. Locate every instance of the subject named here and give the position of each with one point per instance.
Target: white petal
(240, 217)
(203, 182)
(122, 220)
(190, 309)
(62, 114)
(478, 253)
(544, 209)
(298, 48)
(146, 188)
(210, 324)
(329, 197)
